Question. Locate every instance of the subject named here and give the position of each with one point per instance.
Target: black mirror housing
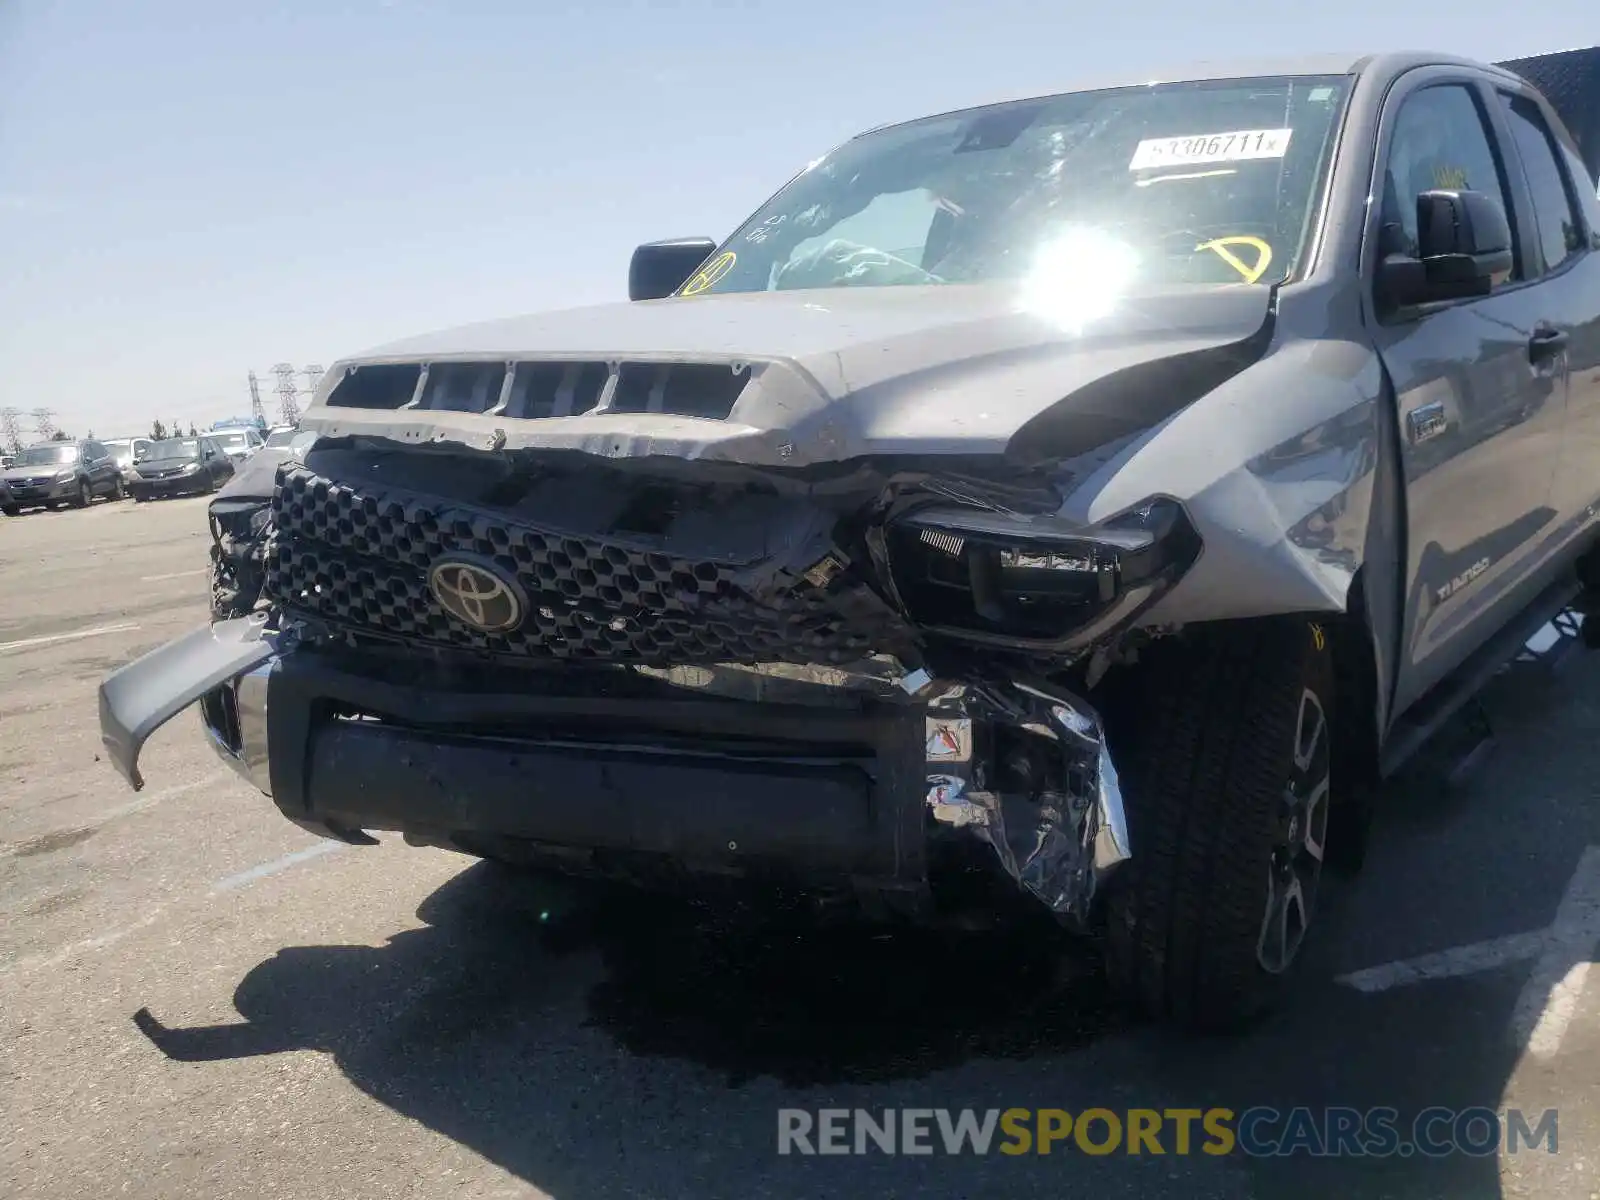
(1463, 250)
(660, 268)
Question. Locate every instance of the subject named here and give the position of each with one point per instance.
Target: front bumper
(173, 485)
(811, 786)
(48, 493)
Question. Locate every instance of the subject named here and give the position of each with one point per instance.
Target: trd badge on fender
(476, 595)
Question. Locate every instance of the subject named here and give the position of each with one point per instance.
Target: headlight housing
(242, 520)
(1035, 582)
(65, 476)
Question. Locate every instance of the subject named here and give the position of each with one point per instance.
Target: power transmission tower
(44, 421)
(11, 429)
(287, 392)
(258, 414)
(313, 376)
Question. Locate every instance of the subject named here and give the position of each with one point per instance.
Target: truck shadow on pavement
(503, 1031)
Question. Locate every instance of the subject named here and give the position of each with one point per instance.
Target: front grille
(359, 558)
(541, 388)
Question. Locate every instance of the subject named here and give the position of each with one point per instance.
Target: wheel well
(1356, 719)
(1357, 733)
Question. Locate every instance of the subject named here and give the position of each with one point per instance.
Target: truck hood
(836, 374)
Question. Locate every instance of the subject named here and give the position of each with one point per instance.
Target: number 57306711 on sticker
(1233, 146)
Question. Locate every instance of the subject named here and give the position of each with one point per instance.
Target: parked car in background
(279, 436)
(54, 474)
(181, 467)
(127, 451)
(237, 444)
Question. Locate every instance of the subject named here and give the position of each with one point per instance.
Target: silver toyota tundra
(1073, 506)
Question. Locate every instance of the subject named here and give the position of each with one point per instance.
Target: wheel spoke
(1316, 820)
(1284, 925)
(1310, 730)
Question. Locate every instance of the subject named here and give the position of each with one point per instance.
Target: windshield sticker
(1223, 248)
(1234, 146)
(709, 274)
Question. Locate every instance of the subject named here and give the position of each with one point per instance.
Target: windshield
(233, 441)
(47, 456)
(1193, 182)
(281, 438)
(172, 448)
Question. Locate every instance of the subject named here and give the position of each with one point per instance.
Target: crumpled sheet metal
(1058, 846)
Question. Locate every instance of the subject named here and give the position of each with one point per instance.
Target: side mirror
(660, 268)
(1463, 250)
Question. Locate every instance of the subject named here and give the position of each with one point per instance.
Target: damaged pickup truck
(1079, 503)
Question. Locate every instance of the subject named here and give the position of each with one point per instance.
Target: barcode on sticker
(1235, 146)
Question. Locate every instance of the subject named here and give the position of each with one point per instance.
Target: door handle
(1546, 344)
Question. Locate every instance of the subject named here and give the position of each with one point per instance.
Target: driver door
(1480, 422)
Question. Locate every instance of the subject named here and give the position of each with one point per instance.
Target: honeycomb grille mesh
(359, 559)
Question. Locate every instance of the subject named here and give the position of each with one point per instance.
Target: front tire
(1223, 744)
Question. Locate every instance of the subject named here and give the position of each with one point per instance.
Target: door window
(1439, 141)
(1560, 230)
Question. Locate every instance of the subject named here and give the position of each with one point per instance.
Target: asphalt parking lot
(328, 1021)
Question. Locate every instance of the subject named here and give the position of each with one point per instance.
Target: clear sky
(193, 188)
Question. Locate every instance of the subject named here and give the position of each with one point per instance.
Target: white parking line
(1549, 997)
(151, 799)
(97, 631)
(1450, 964)
(171, 575)
(278, 864)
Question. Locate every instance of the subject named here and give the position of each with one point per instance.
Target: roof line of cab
(1392, 63)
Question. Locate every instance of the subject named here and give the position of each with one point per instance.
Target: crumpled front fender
(139, 698)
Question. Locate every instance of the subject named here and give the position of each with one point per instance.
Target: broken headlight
(243, 520)
(1003, 577)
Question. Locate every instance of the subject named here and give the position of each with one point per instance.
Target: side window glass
(1439, 141)
(1560, 230)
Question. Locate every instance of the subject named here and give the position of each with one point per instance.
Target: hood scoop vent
(542, 388)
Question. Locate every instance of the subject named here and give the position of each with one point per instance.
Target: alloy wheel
(1300, 838)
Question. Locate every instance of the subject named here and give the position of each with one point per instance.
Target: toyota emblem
(476, 595)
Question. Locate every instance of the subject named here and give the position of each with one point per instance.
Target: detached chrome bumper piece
(139, 698)
(235, 719)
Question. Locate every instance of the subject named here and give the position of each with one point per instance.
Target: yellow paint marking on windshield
(709, 274)
(1220, 247)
